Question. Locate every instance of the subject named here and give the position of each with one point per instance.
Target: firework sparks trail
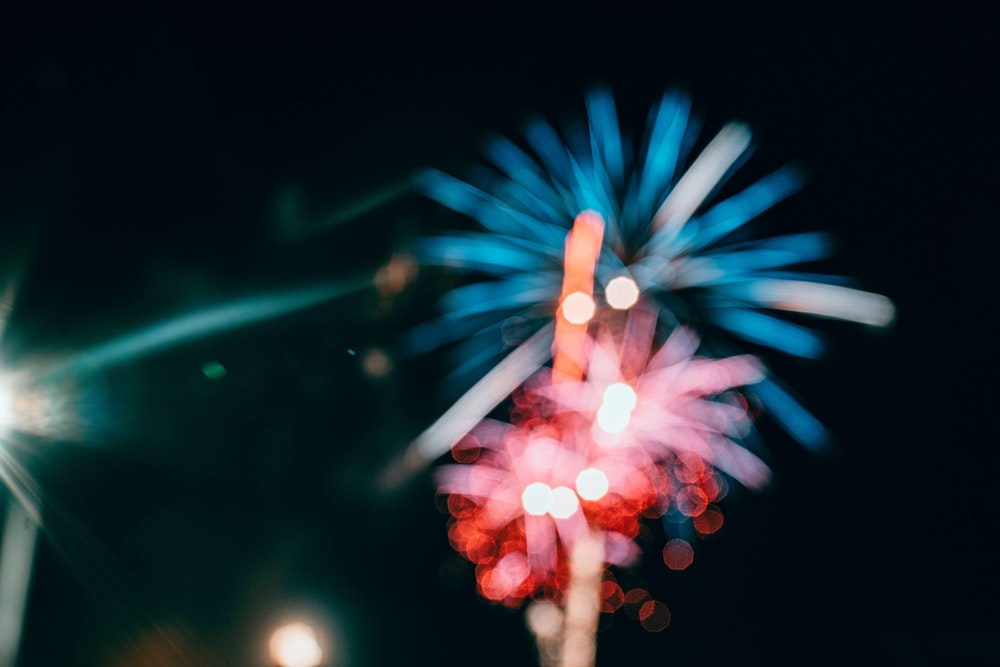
(666, 237)
(631, 420)
(611, 433)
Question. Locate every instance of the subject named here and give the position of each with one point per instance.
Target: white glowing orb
(537, 499)
(619, 396)
(613, 421)
(617, 404)
(578, 308)
(295, 645)
(564, 502)
(621, 293)
(592, 484)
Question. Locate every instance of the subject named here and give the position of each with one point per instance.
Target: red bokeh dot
(689, 468)
(691, 501)
(634, 600)
(654, 616)
(709, 522)
(466, 450)
(678, 554)
(611, 597)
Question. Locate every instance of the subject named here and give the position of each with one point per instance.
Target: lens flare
(295, 645)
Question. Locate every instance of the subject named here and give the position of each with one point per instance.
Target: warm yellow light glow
(295, 645)
(537, 498)
(578, 308)
(564, 502)
(592, 484)
(615, 413)
(621, 293)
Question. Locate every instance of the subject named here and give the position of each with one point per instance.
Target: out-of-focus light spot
(678, 554)
(396, 274)
(709, 522)
(213, 370)
(621, 293)
(612, 421)
(691, 501)
(592, 484)
(351, 351)
(376, 363)
(544, 619)
(564, 502)
(578, 308)
(295, 645)
(620, 396)
(612, 597)
(634, 600)
(617, 403)
(537, 498)
(654, 616)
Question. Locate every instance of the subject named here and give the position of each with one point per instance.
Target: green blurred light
(213, 370)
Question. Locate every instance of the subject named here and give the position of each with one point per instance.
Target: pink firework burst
(643, 432)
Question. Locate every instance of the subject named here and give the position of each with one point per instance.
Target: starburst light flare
(667, 234)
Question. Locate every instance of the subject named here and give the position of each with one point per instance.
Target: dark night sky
(142, 168)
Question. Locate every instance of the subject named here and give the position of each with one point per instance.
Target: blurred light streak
(545, 621)
(583, 602)
(17, 549)
(293, 224)
(582, 250)
(832, 301)
(700, 179)
(208, 321)
(472, 407)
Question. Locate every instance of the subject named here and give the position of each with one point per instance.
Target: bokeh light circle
(578, 308)
(564, 502)
(537, 498)
(621, 293)
(592, 484)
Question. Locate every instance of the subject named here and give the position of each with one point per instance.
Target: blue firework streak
(664, 232)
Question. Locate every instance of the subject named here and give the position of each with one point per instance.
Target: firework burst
(667, 238)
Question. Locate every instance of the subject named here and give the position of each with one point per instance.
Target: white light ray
(701, 178)
(473, 406)
(17, 550)
(834, 301)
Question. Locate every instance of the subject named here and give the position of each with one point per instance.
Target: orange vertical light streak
(583, 247)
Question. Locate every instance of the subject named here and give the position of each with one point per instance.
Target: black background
(143, 162)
